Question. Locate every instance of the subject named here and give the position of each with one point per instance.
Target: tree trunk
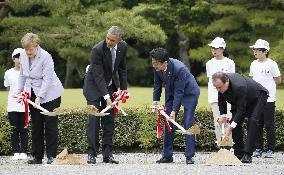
(68, 76)
(4, 9)
(183, 48)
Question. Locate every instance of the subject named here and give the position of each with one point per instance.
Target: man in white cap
(16, 111)
(219, 63)
(266, 72)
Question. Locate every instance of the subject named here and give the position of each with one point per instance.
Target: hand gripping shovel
(225, 140)
(114, 103)
(44, 111)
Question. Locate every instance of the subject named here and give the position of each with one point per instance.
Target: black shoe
(165, 160)
(189, 160)
(239, 156)
(110, 160)
(246, 159)
(50, 160)
(91, 159)
(35, 161)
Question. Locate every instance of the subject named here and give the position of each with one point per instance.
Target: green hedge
(133, 132)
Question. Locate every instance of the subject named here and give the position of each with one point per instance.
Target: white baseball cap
(17, 51)
(218, 42)
(260, 44)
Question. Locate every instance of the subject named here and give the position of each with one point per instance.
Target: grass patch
(140, 96)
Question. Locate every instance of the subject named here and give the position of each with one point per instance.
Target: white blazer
(40, 76)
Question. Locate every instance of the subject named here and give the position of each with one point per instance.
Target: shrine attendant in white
(16, 111)
(219, 63)
(266, 72)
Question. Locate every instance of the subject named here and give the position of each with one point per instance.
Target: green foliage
(137, 129)
(95, 24)
(5, 132)
(225, 24)
(72, 132)
(141, 67)
(147, 132)
(201, 54)
(47, 7)
(265, 18)
(2, 72)
(180, 26)
(241, 23)
(202, 79)
(69, 29)
(220, 9)
(277, 54)
(279, 116)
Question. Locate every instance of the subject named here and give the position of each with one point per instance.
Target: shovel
(114, 103)
(54, 113)
(191, 131)
(91, 109)
(225, 140)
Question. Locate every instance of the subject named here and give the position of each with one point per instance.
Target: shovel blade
(194, 130)
(52, 114)
(102, 114)
(99, 114)
(226, 141)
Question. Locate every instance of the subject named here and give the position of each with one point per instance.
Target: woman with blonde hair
(45, 89)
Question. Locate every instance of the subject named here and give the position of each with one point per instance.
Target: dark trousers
(266, 120)
(189, 104)
(19, 136)
(94, 126)
(44, 127)
(254, 112)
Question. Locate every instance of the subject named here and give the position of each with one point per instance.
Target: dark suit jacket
(180, 84)
(242, 94)
(100, 71)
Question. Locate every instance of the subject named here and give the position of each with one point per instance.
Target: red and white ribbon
(120, 96)
(159, 125)
(24, 99)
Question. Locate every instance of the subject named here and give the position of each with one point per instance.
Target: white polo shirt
(263, 73)
(214, 65)
(11, 80)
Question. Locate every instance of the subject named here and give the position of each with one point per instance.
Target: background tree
(241, 23)
(69, 29)
(182, 21)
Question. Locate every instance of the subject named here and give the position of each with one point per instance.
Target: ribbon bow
(159, 125)
(120, 96)
(24, 99)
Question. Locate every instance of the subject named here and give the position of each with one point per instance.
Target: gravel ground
(139, 163)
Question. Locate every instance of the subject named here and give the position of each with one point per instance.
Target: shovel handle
(105, 109)
(37, 106)
(108, 107)
(223, 128)
(173, 122)
(32, 103)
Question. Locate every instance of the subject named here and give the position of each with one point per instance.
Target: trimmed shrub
(133, 132)
(5, 133)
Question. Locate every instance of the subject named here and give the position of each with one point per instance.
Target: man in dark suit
(247, 97)
(180, 89)
(108, 58)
